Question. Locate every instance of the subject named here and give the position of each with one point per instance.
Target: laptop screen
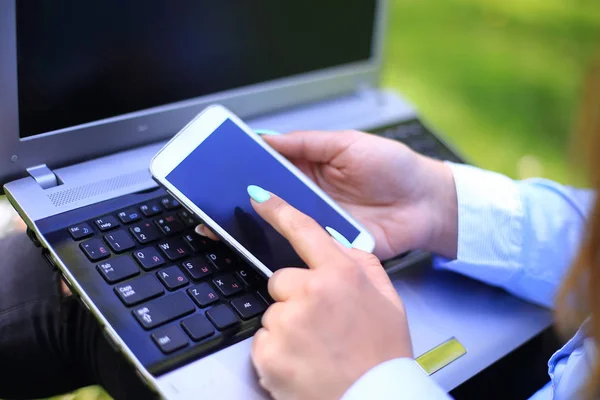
(80, 62)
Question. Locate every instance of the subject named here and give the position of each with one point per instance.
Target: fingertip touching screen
(215, 177)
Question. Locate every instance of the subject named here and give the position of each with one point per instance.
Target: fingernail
(266, 132)
(339, 237)
(200, 230)
(258, 194)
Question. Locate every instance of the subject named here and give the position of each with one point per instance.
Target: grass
(499, 78)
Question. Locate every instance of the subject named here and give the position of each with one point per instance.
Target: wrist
(442, 209)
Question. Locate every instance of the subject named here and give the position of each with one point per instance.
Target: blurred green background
(499, 78)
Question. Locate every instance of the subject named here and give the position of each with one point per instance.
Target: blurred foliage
(500, 78)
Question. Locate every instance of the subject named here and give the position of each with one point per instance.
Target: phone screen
(215, 177)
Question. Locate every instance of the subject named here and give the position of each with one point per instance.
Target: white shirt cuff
(400, 378)
(490, 223)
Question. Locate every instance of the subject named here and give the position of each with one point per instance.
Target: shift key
(163, 310)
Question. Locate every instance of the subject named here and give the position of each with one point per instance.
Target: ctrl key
(170, 338)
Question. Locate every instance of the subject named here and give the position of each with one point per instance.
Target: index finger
(310, 241)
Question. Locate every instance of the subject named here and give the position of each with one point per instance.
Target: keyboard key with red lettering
(222, 317)
(148, 258)
(174, 249)
(249, 276)
(169, 224)
(227, 284)
(198, 243)
(172, 277)
(203, 294)
(162, 310)
(221, 258)
(94, 249)
(144, 232)
(119, 241)
(81, 231)
(170, 338)
(139, 289)
(247, 306)
(106, 223)
(197, 327)
(118, 268)
(197, 268)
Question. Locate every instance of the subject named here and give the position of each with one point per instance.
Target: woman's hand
(332, 322)
(407, 201)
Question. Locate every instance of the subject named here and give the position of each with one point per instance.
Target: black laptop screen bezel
(84, 142)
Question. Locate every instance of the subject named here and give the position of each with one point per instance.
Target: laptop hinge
(43, 176)
(369, 92)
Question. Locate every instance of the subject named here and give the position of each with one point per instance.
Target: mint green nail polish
(339, 237)
(266, 132)
(258, 194)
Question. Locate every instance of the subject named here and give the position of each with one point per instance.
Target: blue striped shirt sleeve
(518, 235)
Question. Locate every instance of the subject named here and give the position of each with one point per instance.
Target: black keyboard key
(174, 249)
(169, 203)
(139, 289)
(130, 215)
(197, 268)
(148, 258)
(81, 231)
(222, 317)
(170, 338)
(106, 223)
(203, 294)
(151, 209)
(95, 249)
(227, 284)
(250, 277)
(197, 327)
(221, 258)
(119, 241)
(144, 232)
(169, 224)
(118, 268)
(187, 218)
(172, 277)
(265, 297)
(247, 306)
(162, 310)
(198, 243)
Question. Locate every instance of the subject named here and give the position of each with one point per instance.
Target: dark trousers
(51, 345)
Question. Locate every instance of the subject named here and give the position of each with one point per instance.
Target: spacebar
(163, 310)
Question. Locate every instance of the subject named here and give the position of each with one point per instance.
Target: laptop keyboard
(180, 287)
(418, 137)
(171, 295)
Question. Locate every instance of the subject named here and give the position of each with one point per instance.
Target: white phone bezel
(192, 135)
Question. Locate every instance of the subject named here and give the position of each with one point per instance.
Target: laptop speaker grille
(74, 194)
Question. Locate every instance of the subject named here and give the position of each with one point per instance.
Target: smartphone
(208, 166)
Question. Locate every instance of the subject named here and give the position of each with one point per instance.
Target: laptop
(92, 90)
